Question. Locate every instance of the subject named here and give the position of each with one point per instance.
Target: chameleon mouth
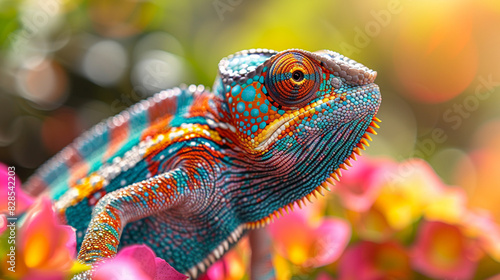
(326, 184)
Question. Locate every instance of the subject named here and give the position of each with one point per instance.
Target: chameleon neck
(280, 176)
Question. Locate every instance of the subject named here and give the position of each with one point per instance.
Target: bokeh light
(105, 62)
(436, 58)
(44, 82)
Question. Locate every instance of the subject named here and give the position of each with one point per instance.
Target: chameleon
(190, 171)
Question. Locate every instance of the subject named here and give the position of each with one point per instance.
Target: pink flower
(443, 251)
(11, 194)
(313, 243)
(481, 225)
(367, 261)
(44, 248)
(359, 186)
(323, 276)
(137, 262)
(3, 223)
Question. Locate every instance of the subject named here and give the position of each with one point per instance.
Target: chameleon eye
(292, 79)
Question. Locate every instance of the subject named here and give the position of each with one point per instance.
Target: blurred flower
(323, 276)
(313, 243)
(282, 267)
(448, 205)
(443, 251)
(452, 236)
(7, 186)
(370, 225)
(481, 225)
(137, 262)
(383, 196)
(358, 190)
(360, 186)
(407, 192)
(3, 223)
(45, 248)
(367, 260)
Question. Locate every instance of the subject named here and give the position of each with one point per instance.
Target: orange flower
(360, 185)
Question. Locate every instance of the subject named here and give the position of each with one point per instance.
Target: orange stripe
(77, 165)
(117, 136)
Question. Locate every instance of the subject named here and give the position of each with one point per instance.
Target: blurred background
(67, 64)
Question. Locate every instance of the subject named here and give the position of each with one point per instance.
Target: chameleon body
(189, 171)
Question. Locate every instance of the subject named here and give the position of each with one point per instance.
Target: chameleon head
(292, 98)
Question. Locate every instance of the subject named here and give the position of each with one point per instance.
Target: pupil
(297, 75)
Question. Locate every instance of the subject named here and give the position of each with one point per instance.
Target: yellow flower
(412, 190)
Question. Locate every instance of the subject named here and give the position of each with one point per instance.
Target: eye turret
(292, 79)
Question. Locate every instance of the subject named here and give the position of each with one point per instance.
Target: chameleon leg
(261, 266)
(131, 203)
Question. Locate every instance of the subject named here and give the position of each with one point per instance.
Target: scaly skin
(188, 171)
